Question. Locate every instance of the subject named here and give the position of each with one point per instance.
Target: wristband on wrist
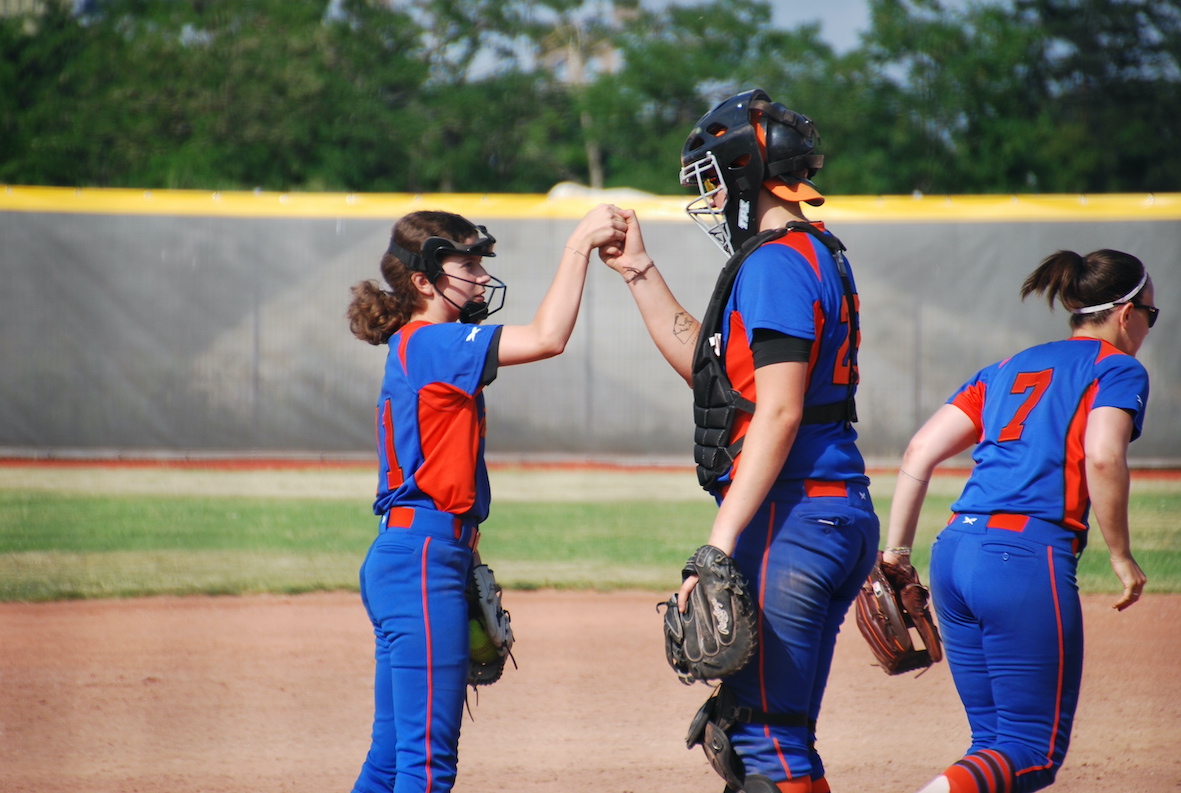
(902, 550)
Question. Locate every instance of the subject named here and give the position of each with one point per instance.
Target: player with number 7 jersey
(1051, 427)
(1031, 412)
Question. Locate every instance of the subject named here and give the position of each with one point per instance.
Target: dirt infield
(273, 694)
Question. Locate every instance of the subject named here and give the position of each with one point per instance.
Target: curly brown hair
(376, 314)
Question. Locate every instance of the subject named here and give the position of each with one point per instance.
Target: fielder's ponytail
(1077, 281)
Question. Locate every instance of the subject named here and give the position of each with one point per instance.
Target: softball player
(794, 507)
(432, 491)
(1051, 427)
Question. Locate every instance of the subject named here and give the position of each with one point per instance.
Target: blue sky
(841, 21)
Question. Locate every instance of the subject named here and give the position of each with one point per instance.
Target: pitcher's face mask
(430, 263)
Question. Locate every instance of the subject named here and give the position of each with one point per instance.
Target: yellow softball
(482, 649)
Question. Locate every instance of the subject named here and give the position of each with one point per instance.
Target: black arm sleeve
(771, 346)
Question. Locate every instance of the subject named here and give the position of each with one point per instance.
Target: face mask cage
(430, 262)
(704, 175)
(473, 312)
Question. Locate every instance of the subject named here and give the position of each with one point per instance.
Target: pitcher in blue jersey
(432, 489)
(1051, 427)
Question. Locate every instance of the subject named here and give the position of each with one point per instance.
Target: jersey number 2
(1035, 383)
(841, 368)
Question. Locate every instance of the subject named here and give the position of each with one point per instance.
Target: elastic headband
(1125, 299)
(435, 248)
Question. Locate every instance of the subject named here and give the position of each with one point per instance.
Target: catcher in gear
(794, 511)
(891, 602)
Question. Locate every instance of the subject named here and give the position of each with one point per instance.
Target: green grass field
(61, 539)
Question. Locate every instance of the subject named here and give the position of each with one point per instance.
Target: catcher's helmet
(430, 263)
(743, 144)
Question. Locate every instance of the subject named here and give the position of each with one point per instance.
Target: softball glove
(891, 602)
(486, 663)
(716, 635)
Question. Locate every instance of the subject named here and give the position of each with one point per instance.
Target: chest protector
(715, 401)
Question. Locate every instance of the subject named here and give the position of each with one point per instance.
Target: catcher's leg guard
(722, 757)
(757, 783)
(708, 728)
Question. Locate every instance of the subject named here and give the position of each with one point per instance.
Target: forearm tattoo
(684, 327)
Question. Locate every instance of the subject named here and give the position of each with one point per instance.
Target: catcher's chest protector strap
(715, 401)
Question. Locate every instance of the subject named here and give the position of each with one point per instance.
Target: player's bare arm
(553, 323)
(947, 433)
(1106, 442)
(772, 432)
(672, 328)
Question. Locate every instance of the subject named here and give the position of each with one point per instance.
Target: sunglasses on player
(1152, 311)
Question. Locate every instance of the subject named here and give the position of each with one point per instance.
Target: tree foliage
(517, 95)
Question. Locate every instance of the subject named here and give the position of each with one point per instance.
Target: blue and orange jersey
(792, 285)
(1030, 412)
(431, 421)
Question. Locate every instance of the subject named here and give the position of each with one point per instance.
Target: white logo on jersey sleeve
(472, 336)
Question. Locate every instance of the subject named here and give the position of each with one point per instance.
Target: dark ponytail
(1078, 281)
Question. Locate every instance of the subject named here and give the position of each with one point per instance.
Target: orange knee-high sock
(820, 786)
(986, 771)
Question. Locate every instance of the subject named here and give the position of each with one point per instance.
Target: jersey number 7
(1035, 383)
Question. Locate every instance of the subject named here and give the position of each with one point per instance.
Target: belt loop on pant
(1008, 521)
(432, 522)
(820, 488)
(1030, 528)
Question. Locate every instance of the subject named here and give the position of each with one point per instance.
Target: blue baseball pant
(806, 557)
(1009, 613)
(413, 583)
